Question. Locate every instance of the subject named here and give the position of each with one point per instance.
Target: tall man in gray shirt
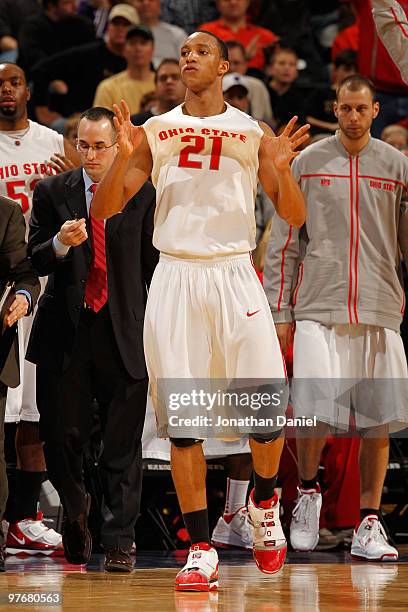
(337, 277)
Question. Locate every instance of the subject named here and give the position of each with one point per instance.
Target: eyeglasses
(84, 147)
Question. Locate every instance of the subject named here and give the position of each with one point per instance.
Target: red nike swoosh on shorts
(251, 314)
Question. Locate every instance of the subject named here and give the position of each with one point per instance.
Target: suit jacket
(14, 267)
(130, 258)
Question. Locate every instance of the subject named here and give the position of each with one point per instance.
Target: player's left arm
(275, 156)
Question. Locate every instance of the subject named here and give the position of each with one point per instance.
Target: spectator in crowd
(24, 148)
(170, 91)
(396, 136)
(82, 69)
(188, 14)
(375, 63)
(55, 29)
(71, 129)
(348, 37)
(137, 79)
(233, 25)
(16, 269)
(286, 97)
(94, 306)
(13, 13)
(260, 104)
(290, 21)
(318, 107)
(168, 38)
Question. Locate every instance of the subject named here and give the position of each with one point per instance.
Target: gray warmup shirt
(343, 265)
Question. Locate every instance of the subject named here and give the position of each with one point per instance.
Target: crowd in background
(95, 52)
(287, 58)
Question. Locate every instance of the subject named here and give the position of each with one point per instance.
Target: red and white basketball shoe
(200, 572)
(33, 538)
(233, 531)
(370, 541)
(269, 540)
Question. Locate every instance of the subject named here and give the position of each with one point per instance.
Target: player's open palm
(282, 149)
(129, 136)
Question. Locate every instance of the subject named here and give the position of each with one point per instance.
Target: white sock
(235, 496)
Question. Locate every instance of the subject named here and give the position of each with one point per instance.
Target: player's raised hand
(282, 149)
(129, 136)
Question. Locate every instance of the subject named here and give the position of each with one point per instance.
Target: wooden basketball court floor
(313, 582)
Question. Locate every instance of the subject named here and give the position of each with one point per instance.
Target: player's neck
(14, 125)
(235, 24)
(204, 104)
(353, 147)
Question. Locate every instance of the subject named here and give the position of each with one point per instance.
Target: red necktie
(96, 290)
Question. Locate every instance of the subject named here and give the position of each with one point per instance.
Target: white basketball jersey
(205, 171)
(23, 165)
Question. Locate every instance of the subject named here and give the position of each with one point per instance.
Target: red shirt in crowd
(373, 59)
(346, 39)
(245, 36)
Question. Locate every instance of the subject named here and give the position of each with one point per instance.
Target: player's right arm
(131, 168)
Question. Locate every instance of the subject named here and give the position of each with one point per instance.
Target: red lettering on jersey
(206, 131)
(163, 135)
(242, 137)
(388, 187)
(27, 168)
(375, 184)
(225, 134)
(325, 182)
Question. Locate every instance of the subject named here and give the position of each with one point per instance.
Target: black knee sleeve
(266, 438)
(185, 442)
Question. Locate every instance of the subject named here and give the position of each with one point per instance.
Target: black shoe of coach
(118, 560)
(77, 539)
(2, 558)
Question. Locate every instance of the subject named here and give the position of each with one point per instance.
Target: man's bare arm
(131, 167)
(275, 155)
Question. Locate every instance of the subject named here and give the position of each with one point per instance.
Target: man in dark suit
(87, 340)
(15, 268)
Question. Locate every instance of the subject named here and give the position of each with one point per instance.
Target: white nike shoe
(304, 528)
(236, 532)
(370, 541)
(200, 573)
(33, 537)
(269, 540)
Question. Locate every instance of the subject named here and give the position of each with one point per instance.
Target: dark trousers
(66, 416)
(3, 476)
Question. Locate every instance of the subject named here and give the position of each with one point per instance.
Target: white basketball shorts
(369, 359)
(209, 319)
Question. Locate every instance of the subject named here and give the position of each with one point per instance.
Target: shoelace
(376, 533)
(301, 512)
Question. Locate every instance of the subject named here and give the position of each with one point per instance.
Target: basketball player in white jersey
(28, 151)
(207, 315)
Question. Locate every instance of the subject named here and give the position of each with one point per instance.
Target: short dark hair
(277, 48)
(347, 58)
(97, 113)
(235, 44)
(222, 47)
(164, 62)
(355, 82)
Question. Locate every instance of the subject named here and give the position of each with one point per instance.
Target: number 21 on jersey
(196, 148)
